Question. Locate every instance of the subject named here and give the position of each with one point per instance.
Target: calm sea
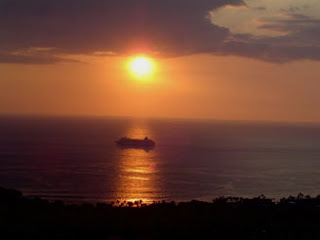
(76, 159)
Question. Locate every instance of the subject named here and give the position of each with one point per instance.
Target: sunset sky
(219, 59)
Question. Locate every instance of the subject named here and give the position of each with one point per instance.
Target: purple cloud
(167, 27)
(163, 27)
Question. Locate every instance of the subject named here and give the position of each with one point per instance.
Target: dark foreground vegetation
(224, 218)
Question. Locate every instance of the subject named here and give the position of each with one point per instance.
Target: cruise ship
(136, 143)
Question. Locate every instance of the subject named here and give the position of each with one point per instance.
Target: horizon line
(155, 117)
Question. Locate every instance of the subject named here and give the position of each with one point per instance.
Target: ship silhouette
(146, 143)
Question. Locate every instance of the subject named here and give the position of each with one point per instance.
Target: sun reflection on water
(138, 175)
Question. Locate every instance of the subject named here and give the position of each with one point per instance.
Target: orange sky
(235, 59)
(197, 86)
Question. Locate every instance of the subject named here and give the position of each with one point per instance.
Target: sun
(141, 66)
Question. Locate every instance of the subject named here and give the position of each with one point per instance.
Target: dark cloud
(300, 43)
(167, 27)
(294, 9)
(292, 23)
(277, 53)
(299, 39)
(260, 8)
(163, 27)
(31, 59)
(34, 56)
(302, 32)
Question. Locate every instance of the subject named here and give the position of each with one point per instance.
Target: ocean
(75, 159)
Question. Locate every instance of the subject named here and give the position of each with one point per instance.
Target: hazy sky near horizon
(222, 59)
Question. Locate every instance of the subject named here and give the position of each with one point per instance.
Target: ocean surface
(76, 159)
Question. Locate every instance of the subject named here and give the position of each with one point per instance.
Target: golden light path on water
(138, 177)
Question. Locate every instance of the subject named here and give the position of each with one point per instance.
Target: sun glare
(141, 67)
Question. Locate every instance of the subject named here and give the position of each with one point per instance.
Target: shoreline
(227, 218)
